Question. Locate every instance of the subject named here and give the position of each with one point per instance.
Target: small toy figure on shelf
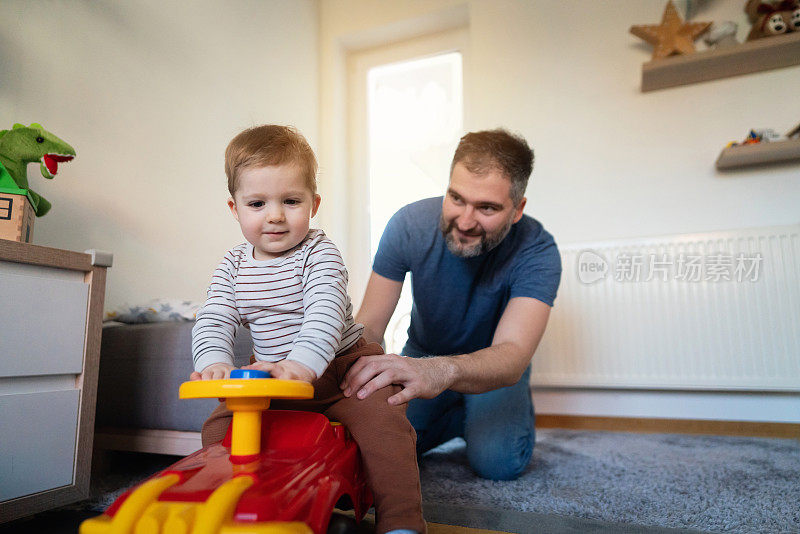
(761, 147)
(673, 35)
(794, 20)
(765, 135)
(721, 35)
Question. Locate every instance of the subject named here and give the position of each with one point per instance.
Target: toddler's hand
(286, 370)
(213, 372)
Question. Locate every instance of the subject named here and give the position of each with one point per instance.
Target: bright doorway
(408, 118)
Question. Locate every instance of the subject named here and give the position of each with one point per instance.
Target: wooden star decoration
(673, 35)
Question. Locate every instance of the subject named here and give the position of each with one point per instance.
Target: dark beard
(486, 243)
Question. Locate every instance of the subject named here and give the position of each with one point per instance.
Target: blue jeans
(498, 427)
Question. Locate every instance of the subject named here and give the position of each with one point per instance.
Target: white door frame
(358, 65)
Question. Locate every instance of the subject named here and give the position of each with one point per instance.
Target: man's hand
(420, 377)
(286, 370)
(213, 372)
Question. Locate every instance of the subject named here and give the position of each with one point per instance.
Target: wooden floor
(68, 521)
(670, 426)
(435, 528)
(368, 527)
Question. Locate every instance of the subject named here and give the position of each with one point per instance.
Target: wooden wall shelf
(751, 56)
(770, 152)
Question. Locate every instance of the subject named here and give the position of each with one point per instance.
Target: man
(484, 277)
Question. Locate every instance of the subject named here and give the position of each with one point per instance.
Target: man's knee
(498, 457)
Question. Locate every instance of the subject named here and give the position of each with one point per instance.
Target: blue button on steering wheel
(249, 373)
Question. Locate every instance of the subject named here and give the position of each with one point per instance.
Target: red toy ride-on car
(275, 471)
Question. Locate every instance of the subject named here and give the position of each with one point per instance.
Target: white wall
(611, 162)
(349, 27)
(149, 93)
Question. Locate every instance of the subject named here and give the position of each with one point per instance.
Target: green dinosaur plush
(28, 144)
(7, 183)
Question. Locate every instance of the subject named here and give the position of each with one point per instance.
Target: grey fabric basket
(141, 369)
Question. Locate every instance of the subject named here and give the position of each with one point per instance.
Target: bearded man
(484, 277)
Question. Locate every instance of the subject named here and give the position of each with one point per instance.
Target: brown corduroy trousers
(386, 439)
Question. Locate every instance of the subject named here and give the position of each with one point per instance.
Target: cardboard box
(16, 218)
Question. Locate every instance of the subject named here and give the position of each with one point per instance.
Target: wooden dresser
(51, 314)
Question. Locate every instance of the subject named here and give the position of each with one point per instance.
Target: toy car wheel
(341, 524)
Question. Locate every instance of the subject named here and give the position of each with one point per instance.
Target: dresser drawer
(37, 441)
(43, 322)
(51, 314)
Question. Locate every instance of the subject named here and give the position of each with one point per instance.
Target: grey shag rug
(707, 483)
(581, 481)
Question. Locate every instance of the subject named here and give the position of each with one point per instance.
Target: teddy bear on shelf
(794, 19)
(772, 18)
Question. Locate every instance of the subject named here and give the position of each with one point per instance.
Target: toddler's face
(274, 208)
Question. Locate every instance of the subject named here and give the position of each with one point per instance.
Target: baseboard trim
(147, 440)
(183, 443)
(670, 426)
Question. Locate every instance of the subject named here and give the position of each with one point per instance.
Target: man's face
(477, 211)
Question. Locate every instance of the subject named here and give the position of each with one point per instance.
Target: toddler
(288, 285)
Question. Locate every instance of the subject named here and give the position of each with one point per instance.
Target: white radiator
(719, 310)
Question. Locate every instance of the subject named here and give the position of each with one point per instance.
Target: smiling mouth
(467, 234)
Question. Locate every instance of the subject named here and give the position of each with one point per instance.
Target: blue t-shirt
(458, 301)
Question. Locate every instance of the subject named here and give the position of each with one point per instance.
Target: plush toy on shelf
(794, 20)
(772, 18)
(18, 203)
(32, 144)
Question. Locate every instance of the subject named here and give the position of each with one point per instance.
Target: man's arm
(515, 340)
(380, 300)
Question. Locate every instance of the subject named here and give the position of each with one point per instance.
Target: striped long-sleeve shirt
(295, 306)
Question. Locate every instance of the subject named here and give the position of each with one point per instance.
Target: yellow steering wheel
(247, 393)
